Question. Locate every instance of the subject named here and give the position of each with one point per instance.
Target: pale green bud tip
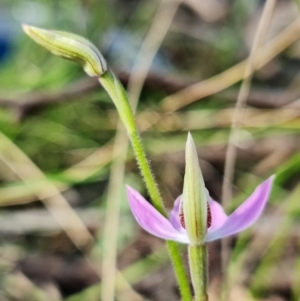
(71, 47)
(194, 196)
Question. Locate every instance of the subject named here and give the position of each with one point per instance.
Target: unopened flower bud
(71, 47)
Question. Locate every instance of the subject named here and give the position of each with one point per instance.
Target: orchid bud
(194, 198)
(71, 47)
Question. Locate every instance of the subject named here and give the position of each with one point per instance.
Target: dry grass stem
(79, 172)
(149, 120)
(55, 202)
(237, 116)
(286, 117)
(242, 98)
(234, 74)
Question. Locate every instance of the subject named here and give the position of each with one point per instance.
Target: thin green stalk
(180, 272)
(198, 271)
(118, 95)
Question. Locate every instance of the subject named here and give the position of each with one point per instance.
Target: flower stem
(198, 270)
(118, 95)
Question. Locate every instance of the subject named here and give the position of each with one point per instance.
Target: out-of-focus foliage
(70, 139)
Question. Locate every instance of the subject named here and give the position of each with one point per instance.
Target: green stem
(118, 95)
(199, 272)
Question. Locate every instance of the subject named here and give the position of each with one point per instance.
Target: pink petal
(246, 214)
(218, 216)
(174, 216)
(151, 220)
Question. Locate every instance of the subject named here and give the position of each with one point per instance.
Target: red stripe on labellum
(209, 220)
(181, 217)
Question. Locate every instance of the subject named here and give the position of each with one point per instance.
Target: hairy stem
(116, 91)
(199, 271)
(118, 95)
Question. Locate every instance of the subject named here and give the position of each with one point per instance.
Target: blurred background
(64, 215)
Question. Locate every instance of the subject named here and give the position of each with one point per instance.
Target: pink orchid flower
(220, 226)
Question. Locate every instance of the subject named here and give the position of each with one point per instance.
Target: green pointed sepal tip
(71, 47)
(194, 196)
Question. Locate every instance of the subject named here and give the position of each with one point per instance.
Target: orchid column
(80, 50)
(195, 217)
